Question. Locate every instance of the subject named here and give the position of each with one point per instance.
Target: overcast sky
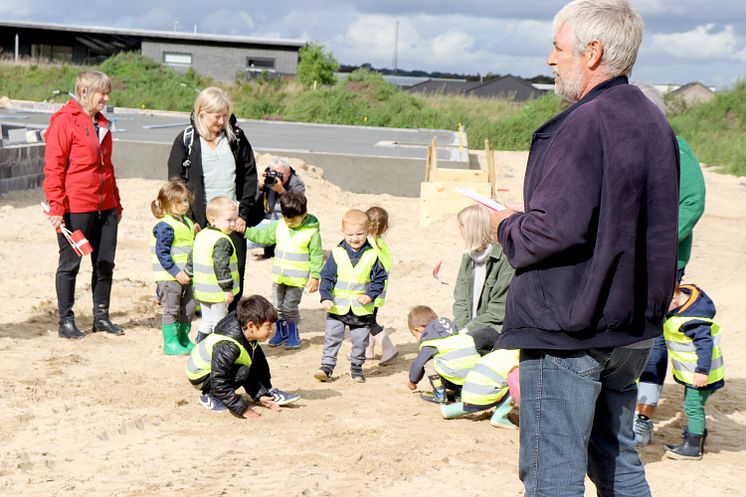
(685, 40)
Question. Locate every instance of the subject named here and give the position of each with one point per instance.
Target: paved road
(276, 136)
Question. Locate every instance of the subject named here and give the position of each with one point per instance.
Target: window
(260, 63)
(52, 52)
(177, 58)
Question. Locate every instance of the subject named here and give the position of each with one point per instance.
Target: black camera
(271, 178)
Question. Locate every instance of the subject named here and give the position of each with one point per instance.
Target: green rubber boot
(499, 418)
(451, 411)
(183, 334)
(171, 345)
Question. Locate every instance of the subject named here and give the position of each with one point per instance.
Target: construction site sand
(114, 416)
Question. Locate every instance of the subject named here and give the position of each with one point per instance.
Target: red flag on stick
(77, 240)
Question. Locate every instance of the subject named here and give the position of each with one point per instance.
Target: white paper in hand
(481, 199)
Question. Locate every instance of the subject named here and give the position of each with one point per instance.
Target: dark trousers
(255, 380)
(100, 228)
(239, 242)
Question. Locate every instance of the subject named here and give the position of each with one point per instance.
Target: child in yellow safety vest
(693, 341)
(492, 382)
(351, 280)
(379, 225)
(452, 354)
(171, 243)
(231, 358)
(297, 263)
(213, 264)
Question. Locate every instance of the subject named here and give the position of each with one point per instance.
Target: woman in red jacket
(82, 194)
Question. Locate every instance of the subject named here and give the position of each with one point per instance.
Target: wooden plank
(439, 198)
(467, 175)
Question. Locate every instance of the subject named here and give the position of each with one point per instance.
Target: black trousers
(239, 242)
(100, 228)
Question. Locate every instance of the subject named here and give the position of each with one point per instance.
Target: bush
(316, 65)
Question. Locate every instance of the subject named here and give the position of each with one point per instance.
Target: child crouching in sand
(231, 357)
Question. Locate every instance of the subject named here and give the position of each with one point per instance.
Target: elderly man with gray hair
(278, 178)
(594, 256)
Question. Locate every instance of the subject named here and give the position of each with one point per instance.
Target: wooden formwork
(438, 195)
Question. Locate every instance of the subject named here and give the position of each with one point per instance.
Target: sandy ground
(114, 416)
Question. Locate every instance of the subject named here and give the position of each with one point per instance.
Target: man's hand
(228, 297)
(364, 299)
(278, 187)
(498, 217)
(313, 285)
(196, 228)
(268, 402)
(183, 278)
(240, 225)
(327, 305)
(700, 380)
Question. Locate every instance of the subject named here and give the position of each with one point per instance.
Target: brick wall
(21, 167)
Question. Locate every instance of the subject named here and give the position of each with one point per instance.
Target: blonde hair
(420, 316)
(379, 221)
(475, 222)
(355, 217)
(213, 100)
(92, 81)
(170, 193)
(218, 205)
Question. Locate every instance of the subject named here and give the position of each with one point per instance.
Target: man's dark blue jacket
(595, 250)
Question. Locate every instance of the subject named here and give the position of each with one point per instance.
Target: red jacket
(78, 173)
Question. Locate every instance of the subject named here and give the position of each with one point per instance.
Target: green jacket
(691, 200)
(491, 306)
(265, 235)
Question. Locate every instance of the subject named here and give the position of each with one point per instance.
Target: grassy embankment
(716, 130)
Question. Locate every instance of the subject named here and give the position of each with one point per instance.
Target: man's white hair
(614, 23)
(278, 162)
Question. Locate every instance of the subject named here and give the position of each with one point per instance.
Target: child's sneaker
(356, 373)
(324, 374)
(643, 430)
(210, 402)
(283, 398)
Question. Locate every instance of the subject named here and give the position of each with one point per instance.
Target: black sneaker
(356, 373)
(323, 375)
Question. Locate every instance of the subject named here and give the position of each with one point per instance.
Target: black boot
(69, 330)
(691, 447)
(104, 324)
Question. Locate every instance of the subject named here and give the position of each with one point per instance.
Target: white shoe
(389, 350)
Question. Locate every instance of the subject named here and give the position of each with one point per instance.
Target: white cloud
(703, 42)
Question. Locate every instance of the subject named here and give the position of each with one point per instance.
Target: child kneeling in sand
(453, 355)
(492, 382)
(231, 357)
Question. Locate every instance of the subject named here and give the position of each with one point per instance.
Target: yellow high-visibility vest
(206, 288)
(352, 282)
(487, 382)
(291, 265)
(384, 255)
(683, 353)
(456, 355)
(181, 247)
(200, 359)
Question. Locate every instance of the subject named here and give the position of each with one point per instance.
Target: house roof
(169, 35)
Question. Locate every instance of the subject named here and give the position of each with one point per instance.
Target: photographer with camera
(278, 178)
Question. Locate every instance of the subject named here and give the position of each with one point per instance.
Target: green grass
(715, 130)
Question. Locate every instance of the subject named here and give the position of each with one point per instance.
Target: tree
(317, 65)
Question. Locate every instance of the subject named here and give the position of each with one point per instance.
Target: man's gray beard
(570, 89)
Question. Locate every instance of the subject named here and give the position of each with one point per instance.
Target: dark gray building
(218, 56)
(508, 87)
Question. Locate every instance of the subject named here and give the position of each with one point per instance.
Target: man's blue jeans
(576, 417)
